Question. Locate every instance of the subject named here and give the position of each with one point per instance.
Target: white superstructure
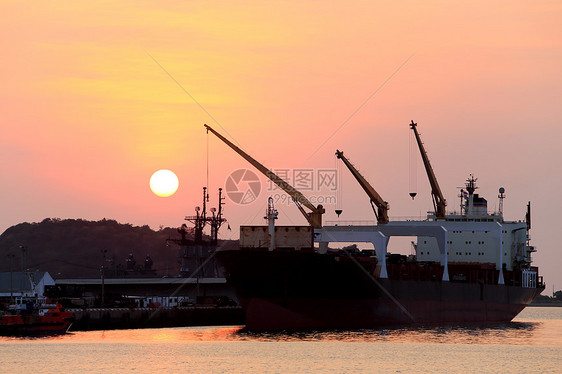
(474, 235)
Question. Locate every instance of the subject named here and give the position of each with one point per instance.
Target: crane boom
(315, 215)
(382, 206)
(439, 203)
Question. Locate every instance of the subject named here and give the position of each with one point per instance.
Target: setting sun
(164, 183)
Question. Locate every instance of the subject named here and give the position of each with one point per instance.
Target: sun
(164, 183)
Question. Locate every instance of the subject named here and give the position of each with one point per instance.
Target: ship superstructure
(480, 247)
(472, 246)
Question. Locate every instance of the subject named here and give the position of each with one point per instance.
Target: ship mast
(192, 250)
(200, 220)
(216, 220)
(501, 196)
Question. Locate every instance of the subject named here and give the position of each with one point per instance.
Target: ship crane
(381, 211)
(314, 218)
(439, 203)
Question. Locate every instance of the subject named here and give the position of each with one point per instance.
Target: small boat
(35, 316)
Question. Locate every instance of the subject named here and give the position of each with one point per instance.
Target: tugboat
(35, 316)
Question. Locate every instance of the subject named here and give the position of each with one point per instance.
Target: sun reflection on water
(535, 333)
(530, 344)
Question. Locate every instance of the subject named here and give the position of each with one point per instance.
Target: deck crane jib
(314, 218)
(381, 211)
(439, 202)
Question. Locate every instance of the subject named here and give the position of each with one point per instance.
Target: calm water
(532, 343)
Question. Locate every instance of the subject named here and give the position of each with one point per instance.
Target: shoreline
(135, 318)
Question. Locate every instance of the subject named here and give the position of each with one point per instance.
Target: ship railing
(489, 218)
(370, 222)
(529, 279)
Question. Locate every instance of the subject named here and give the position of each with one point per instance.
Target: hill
(72, 248)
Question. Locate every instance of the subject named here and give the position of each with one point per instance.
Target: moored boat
(35, 316)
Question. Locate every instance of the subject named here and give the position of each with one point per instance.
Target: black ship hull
(306, 290)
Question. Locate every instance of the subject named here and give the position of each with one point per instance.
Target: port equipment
(439, 203)
(201, 219)
(381, 211)
(314, 218)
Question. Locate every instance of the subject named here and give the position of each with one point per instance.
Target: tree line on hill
(74, 248)
(555, 299)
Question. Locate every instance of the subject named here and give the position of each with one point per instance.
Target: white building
(19, 284)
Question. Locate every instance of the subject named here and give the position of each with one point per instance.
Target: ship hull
(35, 328)
(300, 290)
(36, 319)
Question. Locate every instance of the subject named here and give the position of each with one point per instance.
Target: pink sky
(88, 116)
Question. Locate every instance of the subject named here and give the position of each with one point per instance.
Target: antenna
(501, 196)
(463, 195)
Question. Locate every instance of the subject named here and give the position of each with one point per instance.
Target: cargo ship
(469, 266)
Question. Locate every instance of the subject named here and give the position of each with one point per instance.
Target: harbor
(150, 303)
(281, 187)
(471, 266)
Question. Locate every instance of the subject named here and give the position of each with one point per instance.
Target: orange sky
(88, 116)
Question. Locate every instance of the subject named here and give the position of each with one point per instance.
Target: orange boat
(31, 317)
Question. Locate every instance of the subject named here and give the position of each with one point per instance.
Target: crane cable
(413, 166)
(207, 182)
(339, 186)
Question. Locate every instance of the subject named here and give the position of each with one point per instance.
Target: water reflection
(539, 327)
(509, 333)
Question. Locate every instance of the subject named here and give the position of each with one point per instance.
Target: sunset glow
(96, 96)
